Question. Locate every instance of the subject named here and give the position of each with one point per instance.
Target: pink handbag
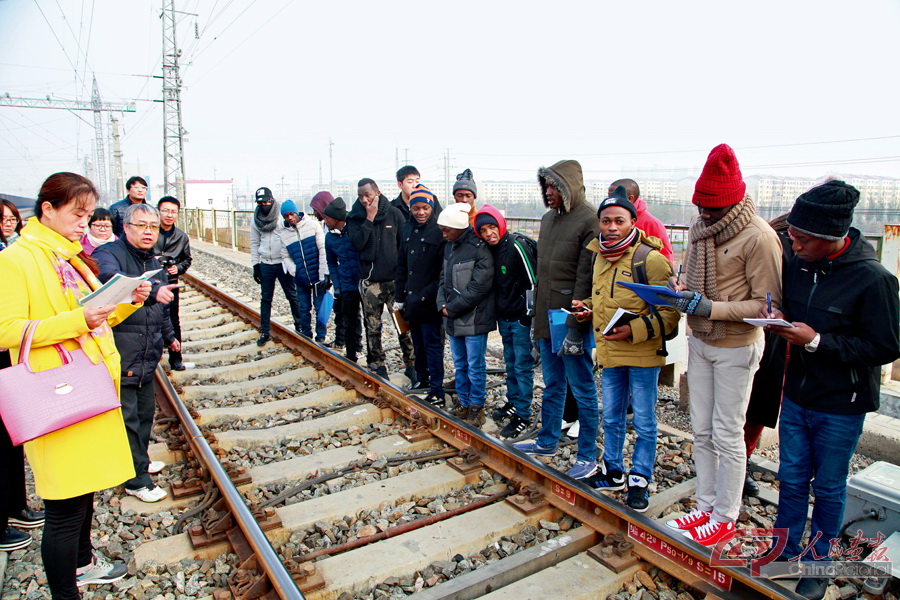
(33, 404)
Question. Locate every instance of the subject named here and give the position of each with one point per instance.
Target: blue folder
(648, 293)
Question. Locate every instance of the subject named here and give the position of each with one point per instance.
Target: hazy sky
(797, 88)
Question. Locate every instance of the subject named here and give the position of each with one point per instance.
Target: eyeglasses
(146, 226)
(101, 225)
(169, 212)
(10, 220)
(138, 186)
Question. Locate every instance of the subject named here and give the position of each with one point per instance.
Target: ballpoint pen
(678, 278)
(769, 303)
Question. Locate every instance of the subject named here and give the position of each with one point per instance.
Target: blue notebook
(648, 293)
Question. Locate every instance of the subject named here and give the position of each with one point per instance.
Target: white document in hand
(621, 317)
(764, 322)
(117, 290)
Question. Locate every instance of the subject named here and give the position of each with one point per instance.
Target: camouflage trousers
(375, 296)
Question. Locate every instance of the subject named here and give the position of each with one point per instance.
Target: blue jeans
(306, 300)
(428, 344)
(271, 274)
(641, 383)
(469, 353)
(577, 371)
(815, 447)
(519, 365)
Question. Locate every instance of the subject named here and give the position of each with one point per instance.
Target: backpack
(639, 273)
(527, 249)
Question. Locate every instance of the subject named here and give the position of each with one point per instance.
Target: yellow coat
(94, 454)
(606, 297)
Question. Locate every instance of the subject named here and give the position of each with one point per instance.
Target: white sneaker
(156, 466)
(574, 430)
(100, 572)
(145, 494)
(160, 493)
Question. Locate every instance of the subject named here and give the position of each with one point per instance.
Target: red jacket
(653, 227)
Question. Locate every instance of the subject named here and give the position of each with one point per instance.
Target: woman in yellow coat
(44, 274)
(629, 352)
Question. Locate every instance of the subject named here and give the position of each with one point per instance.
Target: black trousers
(349, 309)
(66, 544)
(12, 470)
(138, 406)
(176, 323)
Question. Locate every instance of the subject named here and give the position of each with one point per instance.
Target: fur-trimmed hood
(567, 177)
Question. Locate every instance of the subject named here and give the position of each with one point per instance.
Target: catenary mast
(173, 132)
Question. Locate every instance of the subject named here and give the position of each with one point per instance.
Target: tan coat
(606, 297)
(747, 266)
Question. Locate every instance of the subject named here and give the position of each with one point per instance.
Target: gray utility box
(877, 488)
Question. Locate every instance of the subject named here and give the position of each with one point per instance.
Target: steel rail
(689, 563)
(269, 561)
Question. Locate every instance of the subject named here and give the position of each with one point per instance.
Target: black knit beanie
(825, 211)
(466, 181)
(619, 197)
(336, 209)
(483, 218)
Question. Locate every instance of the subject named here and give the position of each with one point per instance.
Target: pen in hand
(678, 277)
(769, 304)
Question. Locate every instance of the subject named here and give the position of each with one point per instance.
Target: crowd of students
(456, 273)
(451, 275)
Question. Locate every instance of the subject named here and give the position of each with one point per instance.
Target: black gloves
(257, 273)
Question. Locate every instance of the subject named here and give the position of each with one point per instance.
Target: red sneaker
(695, 518)
(711, 533)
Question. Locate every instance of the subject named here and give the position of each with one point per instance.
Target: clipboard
(648, 293)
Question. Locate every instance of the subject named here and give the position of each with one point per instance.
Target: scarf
(701, 258)
(75, 279)
(613, 251)
(266, 221)
(96, 242)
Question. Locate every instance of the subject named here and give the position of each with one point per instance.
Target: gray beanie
(465, 181)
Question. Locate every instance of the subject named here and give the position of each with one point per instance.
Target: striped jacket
(303, 255)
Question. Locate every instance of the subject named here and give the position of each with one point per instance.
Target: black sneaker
(13, 539)
(515, 427)
(435, 398)
(751, 488)
(418, 387)
(177, 366)
(607, 479)
(813, 588)
(410, 372)
(381, 372)
(638, 492)
(504, 412)
(263, 339)
(27, 519)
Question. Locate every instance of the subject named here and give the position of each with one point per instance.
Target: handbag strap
(25, 347)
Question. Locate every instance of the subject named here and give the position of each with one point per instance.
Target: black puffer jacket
(376, 241)
(140, 337)
(467, 286)
(852, 302)
(419, 270)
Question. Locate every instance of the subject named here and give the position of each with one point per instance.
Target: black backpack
(639, 273)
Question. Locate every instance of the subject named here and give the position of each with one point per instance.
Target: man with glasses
(140, 339)
(136, 188)
(173, 250)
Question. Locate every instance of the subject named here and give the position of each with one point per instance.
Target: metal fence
(231, 229)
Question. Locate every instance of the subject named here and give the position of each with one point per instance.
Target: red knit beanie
(721, 183)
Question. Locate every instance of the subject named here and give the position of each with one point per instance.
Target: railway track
(323, 481)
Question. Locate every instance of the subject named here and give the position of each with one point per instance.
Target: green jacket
(606, 297)
(564, 262)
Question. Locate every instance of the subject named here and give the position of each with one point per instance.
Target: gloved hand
(692, 303)
(319, 288)
(398, 306)
(573, 345)
(257, 273)
(327, 281)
